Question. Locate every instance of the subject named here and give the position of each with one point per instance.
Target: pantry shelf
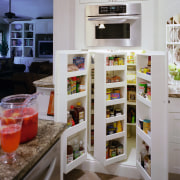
(131, 84)
(114, 159)
(76, 95)
(131, 124)
(75, 129)
(115, 68)
(115, 85)
(115, 136)
(144, 136)
(143, 100)
(115, 118)
(77, 73)
(131, 103)
(142, 171)
(116, 101)
(143, 76)
(74, 163)
(131, 64)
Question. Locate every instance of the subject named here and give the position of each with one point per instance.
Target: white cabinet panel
(174, 126)
(105, 140)
(174, 158)
(65, 98)
(173, 105)
(153, 109)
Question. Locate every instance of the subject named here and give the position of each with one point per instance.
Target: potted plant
(4, 47)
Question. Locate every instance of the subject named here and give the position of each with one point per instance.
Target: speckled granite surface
(30, 153)
(45, 82)
(172, 92)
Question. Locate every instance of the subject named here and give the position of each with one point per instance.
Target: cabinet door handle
(50, 170)
(169, 101)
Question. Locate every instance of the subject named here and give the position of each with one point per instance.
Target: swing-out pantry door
(66, 96)
(151, 116)
(110, 120)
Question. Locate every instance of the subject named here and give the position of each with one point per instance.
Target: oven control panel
(112, 9)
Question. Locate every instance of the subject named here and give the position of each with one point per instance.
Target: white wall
(166, 9)
(63, 24)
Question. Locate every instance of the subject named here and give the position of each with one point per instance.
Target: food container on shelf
(26, 107)
(146, 125)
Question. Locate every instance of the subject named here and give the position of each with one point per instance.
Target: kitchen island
(30, 153)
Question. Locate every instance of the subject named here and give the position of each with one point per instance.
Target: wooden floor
(86, 175)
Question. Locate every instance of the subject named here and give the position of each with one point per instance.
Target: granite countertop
(31, 152)
(44, 82)
(172, 91)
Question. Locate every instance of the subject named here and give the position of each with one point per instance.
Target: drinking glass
(10, 130)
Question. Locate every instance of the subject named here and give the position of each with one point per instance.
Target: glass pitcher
(28, 105)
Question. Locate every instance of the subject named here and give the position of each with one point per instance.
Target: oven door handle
(110, 18)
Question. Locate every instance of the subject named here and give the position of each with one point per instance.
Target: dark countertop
(46, 82)
(31, 152)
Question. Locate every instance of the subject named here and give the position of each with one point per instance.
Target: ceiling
(31, 8)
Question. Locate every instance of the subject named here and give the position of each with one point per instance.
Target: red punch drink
(10, 137)
(29, 125)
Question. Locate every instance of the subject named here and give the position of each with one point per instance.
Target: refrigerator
(110, 131)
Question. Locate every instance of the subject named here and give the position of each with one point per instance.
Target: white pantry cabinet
(63, 101)
(174, 135)
(154, 110)
(105, 138)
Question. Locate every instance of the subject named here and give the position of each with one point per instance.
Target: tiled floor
(86, 175)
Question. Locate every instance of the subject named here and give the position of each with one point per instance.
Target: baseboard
(117, 169)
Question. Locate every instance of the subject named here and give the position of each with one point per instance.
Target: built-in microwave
(113, 25)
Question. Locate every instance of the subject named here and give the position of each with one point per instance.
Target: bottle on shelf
(70, 121)
(69, 152)
(68, 86)
(79, 113)
(72, 112)
(76, 153)
(81, 148)
(119, 127)
(143, 153)
(82, 84)
(78, 81)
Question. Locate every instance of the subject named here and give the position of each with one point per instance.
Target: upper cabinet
(44, 26)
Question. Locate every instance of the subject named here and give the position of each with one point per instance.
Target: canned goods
(146, 125)
(108, 94)
(119, 149)
(112, 151)
(142, 88)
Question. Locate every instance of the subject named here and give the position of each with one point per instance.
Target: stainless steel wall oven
(113, 25)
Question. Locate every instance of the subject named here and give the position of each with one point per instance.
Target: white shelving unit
(155, 110)
(63, 102)
(131, 104)
(22, 38)
(101, 137)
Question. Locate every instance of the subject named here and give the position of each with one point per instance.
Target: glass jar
(29, 114)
